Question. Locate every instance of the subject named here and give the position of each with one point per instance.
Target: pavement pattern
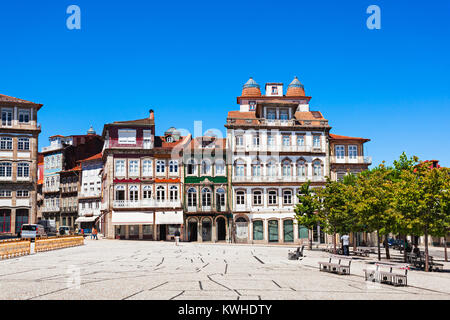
(118, 269)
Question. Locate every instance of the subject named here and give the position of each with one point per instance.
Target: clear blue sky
(188, 60)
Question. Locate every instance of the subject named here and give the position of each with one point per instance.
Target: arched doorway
(221, 229)
(192, 230)
(206, 229)
(241, 230)
(273, 231)
(5, 220)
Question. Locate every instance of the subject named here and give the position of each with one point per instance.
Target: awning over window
(86, 219)
(132, 217)
(169, 217)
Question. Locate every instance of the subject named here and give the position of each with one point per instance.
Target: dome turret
(251, 89)
(295, 89)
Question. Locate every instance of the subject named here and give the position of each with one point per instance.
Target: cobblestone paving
(114, 269)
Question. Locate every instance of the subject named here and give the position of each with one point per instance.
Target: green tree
(306, 209)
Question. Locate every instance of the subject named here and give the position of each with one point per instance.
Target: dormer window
(284, 115)
(127, 136)
(252, 105)
(169, 139)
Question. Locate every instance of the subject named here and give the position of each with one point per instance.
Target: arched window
(288, 231)
(206, 167)
(240, 198)
(258, 230)
(191, 168)
(317, 166)
(147, 192)
(173, 193)
(301, 169)
(160, 166)
(286, 168)
(192, 197)
(287, 197)
(173, 166)
(220, 167)
(272, 197)
(147, 168)
(206, 197)
(220, 198)
(160, 193)
(256, 168)
(271, 169)
(120, 193)
(133, 191)
(257, 197)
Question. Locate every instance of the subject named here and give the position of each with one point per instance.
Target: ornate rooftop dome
(91, 130)
(251, 89)
(295, 89)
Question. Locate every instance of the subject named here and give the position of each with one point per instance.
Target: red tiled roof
(94, 157)
(76, 168)
(8, 99)
(338, 137)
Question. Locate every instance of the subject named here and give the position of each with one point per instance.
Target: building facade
(19, 134)
(142, 180)
(207, 191)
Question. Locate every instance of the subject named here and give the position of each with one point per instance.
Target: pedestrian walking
(177, 237)
(94, 232)
(345, 244)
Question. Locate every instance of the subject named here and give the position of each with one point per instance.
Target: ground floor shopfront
(207, 228)
(12, 219)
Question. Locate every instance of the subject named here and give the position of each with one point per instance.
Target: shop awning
(86, 219)
(132, 217)
(169, 217)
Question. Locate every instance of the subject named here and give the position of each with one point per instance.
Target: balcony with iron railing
(50, 209)
(265, 178)
(146, 203)
(348, 160)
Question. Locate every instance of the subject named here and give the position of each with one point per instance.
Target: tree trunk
(378, 244)
(354, 241)
(310, 239)
(388, 255)
(445, 249)
(405, 255)
(334, 240)
(426, 249)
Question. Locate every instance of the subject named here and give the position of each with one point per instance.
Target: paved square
(117, 269)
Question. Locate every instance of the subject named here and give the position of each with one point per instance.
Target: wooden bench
(381, 275)
(295, 255)
(361, 252)
(339, 267)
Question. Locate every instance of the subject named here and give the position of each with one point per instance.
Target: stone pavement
(118, 269)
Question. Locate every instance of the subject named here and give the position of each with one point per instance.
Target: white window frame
(119, 170)
(126, 136)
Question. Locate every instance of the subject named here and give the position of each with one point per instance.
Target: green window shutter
(288, 231)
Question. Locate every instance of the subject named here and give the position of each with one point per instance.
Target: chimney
(152, 115)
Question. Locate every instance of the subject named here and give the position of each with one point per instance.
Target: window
(173, 166)
(256, 169)
(258, 230)
(257, 198)
(272, 197)
(169, 139)
(85, 187)
(147, 192)
(271, 115)
(273, 230)
(340, 176)
(5, 194)
(206, 167)
(91, 187)
(287, 197)
(274, 90)
(160, 166)
(240, 198)
(220, 198)
(252, 105)
(160, 193)
(133, 192)
(24, 116)
(240, 169)
(22, 193)
(127, 136)
(300, 140)
(239, 140)
(82, 205)
(271, 169)
(90, 205)
(288, 231)
(173, 193)
(23, 144)
(206, 197)
(147, 139)
(5, 169)
(352, 152)
(120, 193)
(220, 167)
(317, 165)
(147, 168)
(340, 152)
(120, 167)
(192, 197)
(270, 140)
(5, 143)
(316, 141)
(301, 169)
(256, 139)
(133, 168)
(284, 115)
(7, 117)
(286, 169)
(286, 140)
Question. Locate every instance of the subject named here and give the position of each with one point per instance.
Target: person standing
(177, 237)
(94, 232)
(345, 244)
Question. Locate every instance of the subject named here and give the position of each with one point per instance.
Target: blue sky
(188, 60)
